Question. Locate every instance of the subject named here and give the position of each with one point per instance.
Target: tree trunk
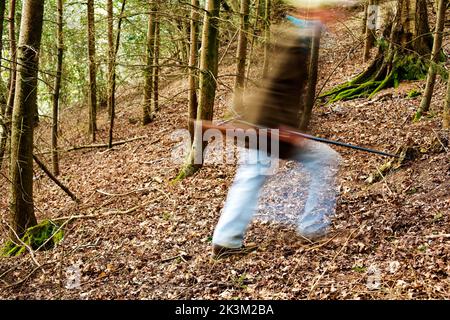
(92, 70)
(371, 16)
(267, 17)
(437, 47)
(156, 68)
(405, 58)
(110, 23)
(59, 36)
(3, 92)
(252, 41)
(364, 21)
(446, 120)
(241, 57)
(11, 82)
(207, 84)
(25, 101)
(312, 78)
(193, 73)
(112, 76)
(13, 51)
(148, 71)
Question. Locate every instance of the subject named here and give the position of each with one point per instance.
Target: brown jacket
(277, 102)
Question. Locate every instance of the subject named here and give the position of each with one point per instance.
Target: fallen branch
(109, 213)
(97, 145)
(54, 179)
(27, 276)
(120, 194)
(104, 145)
(435, 236)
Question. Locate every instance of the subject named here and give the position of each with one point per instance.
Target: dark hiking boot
(219, 252)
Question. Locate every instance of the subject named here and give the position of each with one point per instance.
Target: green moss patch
(43, 236)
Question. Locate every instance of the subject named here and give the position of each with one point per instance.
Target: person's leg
(241, 202)
(321, 162)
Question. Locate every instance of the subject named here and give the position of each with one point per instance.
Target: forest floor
(140, 236)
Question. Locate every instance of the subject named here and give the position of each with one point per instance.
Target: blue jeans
(319, 160)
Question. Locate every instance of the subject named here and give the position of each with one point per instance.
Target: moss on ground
(43, 236)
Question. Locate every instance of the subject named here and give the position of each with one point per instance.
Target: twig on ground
(440, 141)
(384, 180)
(114, 212)
(120, 194)
(98, 145)
(435, 236)
(30, 250)
(27, 276)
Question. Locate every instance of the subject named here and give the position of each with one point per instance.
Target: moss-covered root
(378, 77)
(187, 171)
(352, 92)
(43, 236)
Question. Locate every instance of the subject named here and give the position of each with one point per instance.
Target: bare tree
(435, 53)
(92, 70)
(114, 48)
(208, 73)
(267, 17)
(446, 122)
(193, 74)
(148, 71)
(57, 88)
(3, 92)
(25, 101)
(156, 68)
(252, 41)
(241, 57)
(11, 81)
(312, 77)
(371, 16)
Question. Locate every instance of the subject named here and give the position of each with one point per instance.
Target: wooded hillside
(98, 201)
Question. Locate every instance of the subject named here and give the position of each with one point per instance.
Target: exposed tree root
(384, 72)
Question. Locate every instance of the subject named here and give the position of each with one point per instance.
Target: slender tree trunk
(209, 61)
(435, 53)
(148, 71)
(252, 41)
(241, 57)
(371, 16)
(92, 70)
(13, 52)
(11, 82)
(364, 21)
(57, 88)
(446, 120)
(193, 103)
(156, 68)
(112, 77)
(267, 17)
(110, 23)
(207, 84)
(21, 168)
(312, 78)
(3, 92)
(184, 44)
